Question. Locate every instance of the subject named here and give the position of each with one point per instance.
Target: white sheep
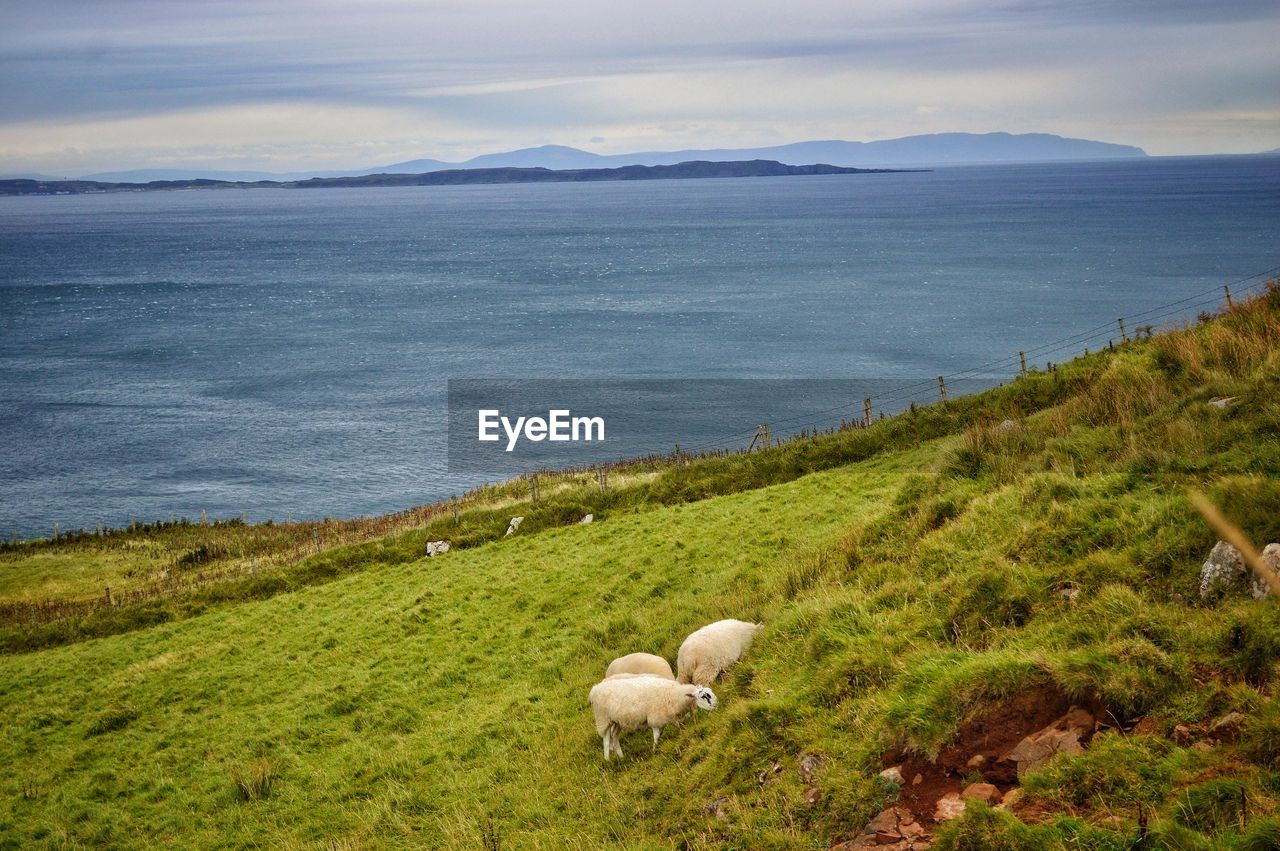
(634, 701)
(713, 649)
(640, 663)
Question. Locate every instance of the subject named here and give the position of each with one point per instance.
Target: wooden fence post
(1022, 356)
(1123, 334)
(942, 387)
(1231, 305)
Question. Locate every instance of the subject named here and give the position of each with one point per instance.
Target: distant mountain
(935, 149)
(910, 151)
(448, 177)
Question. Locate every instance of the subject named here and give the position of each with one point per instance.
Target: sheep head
(704, 698)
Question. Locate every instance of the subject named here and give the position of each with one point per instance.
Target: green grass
(908, 575)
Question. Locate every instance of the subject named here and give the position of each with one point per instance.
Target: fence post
(766, 435)
(454, 504)
(942, 387)
(866, 411)
(1231, 305)
(1022, 356)
(1123, 335)
(106, 596)
(55, 531)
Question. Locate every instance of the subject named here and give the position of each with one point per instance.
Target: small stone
(976, 761)
(435, 548)
(812, 795)
(1202, 746)
(1007, 426)
(513, 525)
(950, 806)
(1227, 728)
(1221, 402)
(892, 775)
(1067, 593)
(809, 767)
(1010, 799)
(1035, 751)
(917, 780)
(1181, 735)
(586, 519)
(717, 808)
(1225, 571)
(984, 792)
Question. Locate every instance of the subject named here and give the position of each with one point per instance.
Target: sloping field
(910, 599)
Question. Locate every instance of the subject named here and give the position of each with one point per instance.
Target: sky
(90, 85)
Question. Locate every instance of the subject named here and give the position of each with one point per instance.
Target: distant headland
(450, 177)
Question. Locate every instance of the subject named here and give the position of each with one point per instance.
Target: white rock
(1225, 569)
(513, 525)
(587, 519)
(892, 775)
(435, 548)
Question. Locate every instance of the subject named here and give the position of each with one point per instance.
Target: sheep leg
(617, 744)
(606, 739)
(657, 731)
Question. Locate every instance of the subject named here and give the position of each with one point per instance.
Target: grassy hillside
(917, 580)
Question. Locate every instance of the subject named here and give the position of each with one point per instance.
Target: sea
(288, 353)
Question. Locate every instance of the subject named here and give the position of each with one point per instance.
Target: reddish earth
(991, 734)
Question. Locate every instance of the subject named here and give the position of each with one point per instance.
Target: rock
(917, 780)
(587, 519)
(1271, 558)
(1010, 799)
(984, 792)
(976, 761)
(717, 808)
(895, 829)
(1225, 571)
(513, 525)
(1181, 735)
(1228, 727)
(809, 767)
(1221, 402)
(435, 548)
(769, 773)
(1066, 735)
(1068, 593)
(812, 795)
(892, 775)
(1202, 746)
(950, 806)
(1007, 426)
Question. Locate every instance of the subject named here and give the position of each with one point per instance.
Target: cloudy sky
(87, 85)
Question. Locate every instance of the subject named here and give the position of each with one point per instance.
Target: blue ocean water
(266, 352)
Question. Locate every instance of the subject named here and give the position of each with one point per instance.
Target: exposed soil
(991, 734)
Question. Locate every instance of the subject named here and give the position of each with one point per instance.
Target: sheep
(640, 663)
(632, 701)
(713, 649)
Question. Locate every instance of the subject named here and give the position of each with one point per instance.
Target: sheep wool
(713, 649)
(634, 701)
(640, 663)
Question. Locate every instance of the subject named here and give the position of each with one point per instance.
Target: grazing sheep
(640, 663)
(632, 701)
(713, 649)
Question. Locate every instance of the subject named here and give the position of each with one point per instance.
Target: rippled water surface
(272, 351)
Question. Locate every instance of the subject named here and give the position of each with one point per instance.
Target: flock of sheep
(639, 690)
